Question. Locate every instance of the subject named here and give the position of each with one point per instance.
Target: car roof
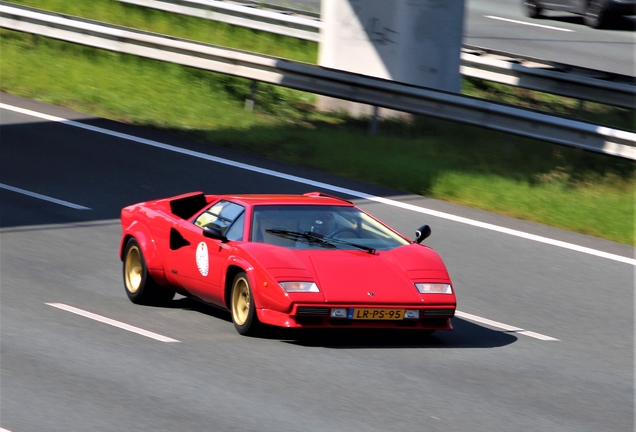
(312, 198)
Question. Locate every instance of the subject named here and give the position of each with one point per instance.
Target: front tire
(597, 16)
(242, 307)
(532, 8)
(140, 287)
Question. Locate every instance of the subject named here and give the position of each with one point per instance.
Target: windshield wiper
(319, 238)
(294, 235)
(346, 242)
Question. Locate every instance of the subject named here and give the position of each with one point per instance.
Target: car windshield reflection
(321, 227)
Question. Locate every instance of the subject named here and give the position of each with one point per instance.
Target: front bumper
(313, 316)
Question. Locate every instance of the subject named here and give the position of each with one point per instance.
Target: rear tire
(140, 287)
(242, 306)
(532, 8)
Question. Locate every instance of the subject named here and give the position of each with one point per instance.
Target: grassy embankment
(536, 181)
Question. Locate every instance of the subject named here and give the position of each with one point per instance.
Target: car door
(197, 262)
(579, 6)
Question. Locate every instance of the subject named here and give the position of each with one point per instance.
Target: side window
(235, 232)
(225, 215)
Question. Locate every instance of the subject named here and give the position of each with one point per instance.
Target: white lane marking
(327, 186)
(528, 24)
(512, 232)
(43, 197)
(4, 430)
(112, 322)
(503, 326)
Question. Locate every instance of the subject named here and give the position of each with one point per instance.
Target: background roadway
(610, 50)
(65, 372)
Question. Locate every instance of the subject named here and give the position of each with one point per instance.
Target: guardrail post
(373, 123)
(580, 107)
(249, 102)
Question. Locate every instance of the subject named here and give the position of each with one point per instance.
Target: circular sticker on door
(203, 263)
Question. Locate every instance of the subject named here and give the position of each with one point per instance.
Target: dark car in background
(596, 13)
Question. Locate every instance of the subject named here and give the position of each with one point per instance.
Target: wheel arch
(149, 249)
(237, 266)
(230, 273)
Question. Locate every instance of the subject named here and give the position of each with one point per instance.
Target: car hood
(346, 276)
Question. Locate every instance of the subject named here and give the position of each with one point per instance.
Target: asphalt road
(65, 372)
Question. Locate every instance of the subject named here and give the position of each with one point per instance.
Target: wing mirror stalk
(421, 233)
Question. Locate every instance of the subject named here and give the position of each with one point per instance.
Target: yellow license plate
(378, 314)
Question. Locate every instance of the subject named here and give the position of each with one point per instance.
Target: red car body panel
(346, 278)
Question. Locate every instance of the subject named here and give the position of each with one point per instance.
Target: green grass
(217, 33)
(558, 186)
(130, 88)
(183, 26)
(591, 112)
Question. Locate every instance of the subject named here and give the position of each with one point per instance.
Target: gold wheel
(140, 287)
(133, 269)
(241, 299)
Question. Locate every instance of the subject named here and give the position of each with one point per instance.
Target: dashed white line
(43, 197)
(162, 338)
(528, 24)
(503, 326)
(112, 322)
(327, 186)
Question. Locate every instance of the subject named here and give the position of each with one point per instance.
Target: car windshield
(321, 227)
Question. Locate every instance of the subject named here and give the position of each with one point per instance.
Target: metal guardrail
(240, 15)
(475, 62)
(329, 82)
(546, 79)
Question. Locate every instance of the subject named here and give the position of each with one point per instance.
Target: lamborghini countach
(295, 261)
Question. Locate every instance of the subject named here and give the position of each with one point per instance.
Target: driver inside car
(323, 224)
(268, 220)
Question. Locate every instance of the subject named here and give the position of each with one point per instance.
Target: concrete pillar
(411, 41)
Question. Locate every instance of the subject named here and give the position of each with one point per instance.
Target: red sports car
(307, 261)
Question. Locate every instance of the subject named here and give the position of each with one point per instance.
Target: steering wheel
(341, 230)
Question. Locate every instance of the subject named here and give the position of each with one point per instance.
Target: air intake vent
(313, 311)
(439, 312)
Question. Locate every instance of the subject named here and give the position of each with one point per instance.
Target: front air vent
(439, 313)
(303, 310)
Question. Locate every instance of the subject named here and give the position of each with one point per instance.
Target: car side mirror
(421, 233)
(213, 232)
